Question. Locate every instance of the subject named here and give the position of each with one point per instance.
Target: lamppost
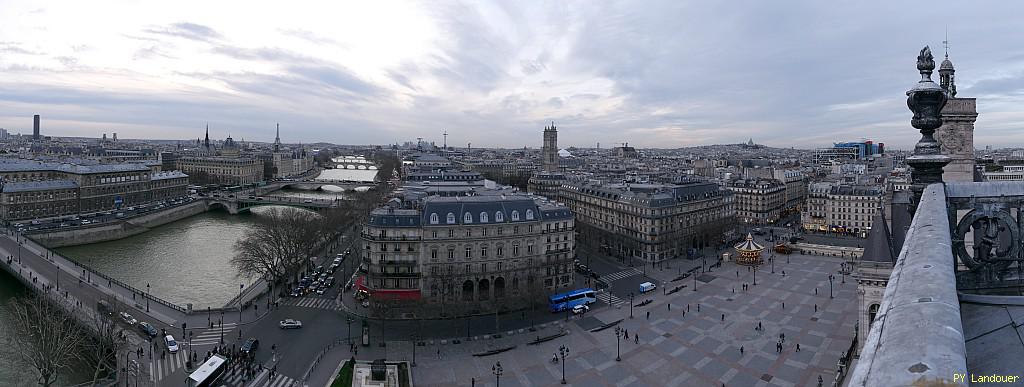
(348, 322)
(830, 278)
(618, 339)
(221, 322)
(843, 272)
(755, 274)
(772, 260)
(630, 304)
(147, 297)
(240, 286)
(414, 339)
(563, 351)
(496, 370)
(695, 282)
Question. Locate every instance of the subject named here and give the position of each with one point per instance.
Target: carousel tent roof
(749, 245)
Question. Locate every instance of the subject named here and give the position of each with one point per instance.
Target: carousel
(749, 252)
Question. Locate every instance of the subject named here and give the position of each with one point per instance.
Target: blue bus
(568, 300)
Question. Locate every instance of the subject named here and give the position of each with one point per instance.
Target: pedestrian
(669, 306)
(698, 308)
(741, 350)
(636, 339)
(798, 347)
(783, 305)
(733, 290)
(723, 317)
(684, 314)
(815, 308)
(737, 274)
(815, 291)
(759, 327)
(687, 307)
(648, 315)
(625, 332)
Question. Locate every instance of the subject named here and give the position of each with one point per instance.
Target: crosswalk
(620, 275)
(162, 368)
(211, 336)
(264, 380)
(611, 299)
(314, 302)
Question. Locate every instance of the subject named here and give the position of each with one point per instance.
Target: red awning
(396, 294)
(361, 283)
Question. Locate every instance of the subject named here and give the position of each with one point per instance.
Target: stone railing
(917, 337)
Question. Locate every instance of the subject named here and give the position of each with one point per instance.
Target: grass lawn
(344, 378)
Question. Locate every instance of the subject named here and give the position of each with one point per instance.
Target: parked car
(147, 329)
(172, 346)
(580, 309)
(290, 324)
(321, 290)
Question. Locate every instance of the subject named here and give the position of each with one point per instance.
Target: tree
(45, 337)
(278, 245)
(101, 349)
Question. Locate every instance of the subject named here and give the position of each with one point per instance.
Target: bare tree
(45, 337)
(279, 244)
(101, 349)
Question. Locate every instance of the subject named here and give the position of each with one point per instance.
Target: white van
(646, 287)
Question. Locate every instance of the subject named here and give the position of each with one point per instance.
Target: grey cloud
(555, 102)
(191, 31)
(311, 37)
(530, 67)
(16, 48)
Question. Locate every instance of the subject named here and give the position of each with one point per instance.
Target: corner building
(468, 254)
(652, 222)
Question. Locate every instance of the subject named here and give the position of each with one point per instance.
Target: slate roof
(29, 186)
(879, 246)
(993, 327)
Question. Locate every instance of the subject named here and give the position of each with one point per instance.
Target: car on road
(250, 346)
(297, 292)
(148, 329)
(321, 291)
(580, 309)
(307, 201)
(290, 324)
(128, 319)
(172, 346)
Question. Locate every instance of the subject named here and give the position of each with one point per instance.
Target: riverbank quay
(119, 228)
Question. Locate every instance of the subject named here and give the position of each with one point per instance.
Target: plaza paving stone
(696, 350)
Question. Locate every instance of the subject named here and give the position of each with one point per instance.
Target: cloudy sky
(651, 73)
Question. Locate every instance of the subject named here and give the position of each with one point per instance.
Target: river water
(188, 261)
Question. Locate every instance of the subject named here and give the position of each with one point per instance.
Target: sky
(662, 74)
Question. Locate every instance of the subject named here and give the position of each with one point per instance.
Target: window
(467, 218)
(515, 229)
(499, 251)
(469, 251)
(529, 214)
(451, 218)
(483, 252)
(451, 254)
(433, 253)
(451, 233)
(498, 217)
(434, 233)
(434, 219)
(483, 217)
(515, 215)
(515, 250)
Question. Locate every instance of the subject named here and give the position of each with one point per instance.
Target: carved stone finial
(925, 61)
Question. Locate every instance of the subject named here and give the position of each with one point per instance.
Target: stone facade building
(814, 215)
(468, 254)
(223, 170)
(758, 202)
(651, 222)
(31, 189)
(550, 151)
(851, 208)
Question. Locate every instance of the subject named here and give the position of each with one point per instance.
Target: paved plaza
(697, 348)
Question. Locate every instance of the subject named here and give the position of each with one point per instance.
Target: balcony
(938, 320)
(399, 238)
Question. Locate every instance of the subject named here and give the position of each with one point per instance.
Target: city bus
(568, 300)
(208, 373)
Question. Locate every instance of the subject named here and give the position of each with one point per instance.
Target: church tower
(550, 150)
(956, 135)
(277, 139)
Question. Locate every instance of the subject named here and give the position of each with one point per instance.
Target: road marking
(620, 275)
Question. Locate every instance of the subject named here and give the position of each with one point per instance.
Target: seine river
(188, 261)
(183, 262)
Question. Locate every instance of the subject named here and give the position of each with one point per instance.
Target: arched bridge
(238, 205)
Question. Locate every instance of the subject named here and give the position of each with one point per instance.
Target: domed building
(749, 252)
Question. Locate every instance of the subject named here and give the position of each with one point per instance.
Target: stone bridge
(239, 205)
(314, 184)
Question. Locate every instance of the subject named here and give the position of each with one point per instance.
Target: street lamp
(221, 322)
(563, 351)
(843, 272)
(618, 339)
(147, 297)
(772, 260)
(348, 322)
(630, 304)
(414, 338)
(755, 274)
(830, 277)
(695, 282)
(240, 286)
(496, 370)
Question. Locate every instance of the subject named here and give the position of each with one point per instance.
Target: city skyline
(667, 76)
